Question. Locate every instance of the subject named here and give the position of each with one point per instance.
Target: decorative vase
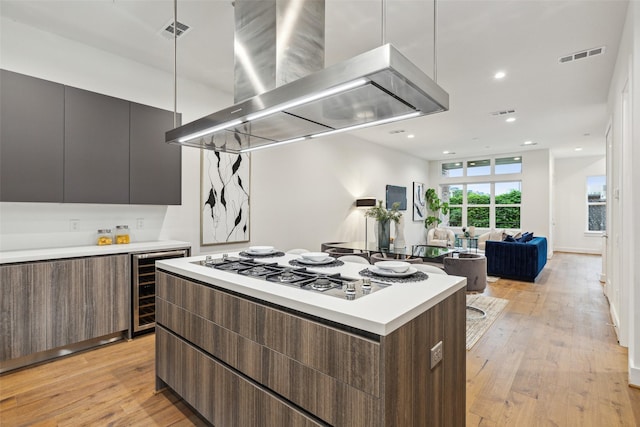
(399, 242)
(384, 234)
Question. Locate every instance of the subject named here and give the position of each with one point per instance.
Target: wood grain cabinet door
(51, 304)
(24, 309)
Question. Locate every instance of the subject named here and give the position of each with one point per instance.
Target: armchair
(441, 237)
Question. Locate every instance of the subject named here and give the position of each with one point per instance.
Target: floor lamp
(366, 203)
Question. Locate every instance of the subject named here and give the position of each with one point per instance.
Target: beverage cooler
(143, 293)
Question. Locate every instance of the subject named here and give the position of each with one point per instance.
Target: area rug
(476, 325)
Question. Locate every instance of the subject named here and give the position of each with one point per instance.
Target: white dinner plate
(250, 252)
(389, 273)
(322, 262)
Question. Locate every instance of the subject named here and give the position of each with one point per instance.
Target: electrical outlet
(436, 354)
(74, 225)
(140, 223)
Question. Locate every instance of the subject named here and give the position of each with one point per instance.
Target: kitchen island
(245, 351)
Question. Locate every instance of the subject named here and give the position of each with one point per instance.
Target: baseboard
(634, 376)
(578, 251)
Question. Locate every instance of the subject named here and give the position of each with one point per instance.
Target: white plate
(389, 273)
(315, 256)
(250, 252)
(309, 262)
(395, 266)
(261, 249)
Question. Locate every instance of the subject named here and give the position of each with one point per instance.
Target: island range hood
(376, 87)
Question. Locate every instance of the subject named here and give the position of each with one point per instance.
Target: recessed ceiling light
(528, 143)
(499, 75)
(411, 136)
(458, 164)
(516, 158)
(578, 149)
(445, 152)
(510, 120)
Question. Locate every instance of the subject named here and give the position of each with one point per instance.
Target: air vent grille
(502, 112)
(582, 54)
(393, 132)
(182, 29)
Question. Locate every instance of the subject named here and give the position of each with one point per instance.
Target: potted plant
(384, 217)
(436, 207)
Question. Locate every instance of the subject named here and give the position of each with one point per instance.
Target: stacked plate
(393, 269)
(261, 250)
(315, 258)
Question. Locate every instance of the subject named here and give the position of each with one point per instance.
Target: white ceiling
(558, 106)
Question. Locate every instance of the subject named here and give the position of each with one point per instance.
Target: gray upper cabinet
(155, 167)
(63, 144)
(31, 139)
(96, 150)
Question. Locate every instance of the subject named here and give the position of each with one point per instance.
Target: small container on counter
(122, 234)
(104, 237)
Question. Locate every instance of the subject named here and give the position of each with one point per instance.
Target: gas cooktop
(334, 285)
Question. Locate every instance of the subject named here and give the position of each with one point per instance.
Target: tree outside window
(597, 203)
(485, 205)
(508, 196)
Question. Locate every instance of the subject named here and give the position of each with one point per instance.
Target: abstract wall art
(419, 203)
(224, 198)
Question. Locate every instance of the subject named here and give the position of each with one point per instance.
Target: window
(452, 170)
(478, 167)
(596, 203)
(486, 205)
(508, 198)
(508, 165)
(452, 194)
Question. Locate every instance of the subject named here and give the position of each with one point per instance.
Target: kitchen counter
(380, 312)
(246, 351)
(8, 257)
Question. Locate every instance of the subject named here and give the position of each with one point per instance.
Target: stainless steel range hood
(376, 87)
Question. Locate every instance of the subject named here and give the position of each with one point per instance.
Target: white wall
(35, 225)
(570, 206)
(623, 258)
(536, 181)
(301, 195)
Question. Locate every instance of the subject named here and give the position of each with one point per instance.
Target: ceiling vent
(167, 30)
(502, 112)
(582, 54)
(393, 132)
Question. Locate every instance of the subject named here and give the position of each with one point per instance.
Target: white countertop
(7, 257)
(380, 312)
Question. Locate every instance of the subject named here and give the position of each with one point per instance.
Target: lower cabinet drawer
(220, 395)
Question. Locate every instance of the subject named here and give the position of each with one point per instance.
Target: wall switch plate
(436, 354)
(139, 223)
(74, 225)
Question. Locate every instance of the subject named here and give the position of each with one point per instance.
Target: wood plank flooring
(550, 359)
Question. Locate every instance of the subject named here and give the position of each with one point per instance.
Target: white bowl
(315, 256)
(395, 266)
(260, 249)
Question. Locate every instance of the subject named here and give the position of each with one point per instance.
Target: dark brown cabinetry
(31, 139)
(155, 166)
(254, 360)
(52, 304)
(63, 144)
(96, 148)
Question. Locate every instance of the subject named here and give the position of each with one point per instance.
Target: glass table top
(423, 251)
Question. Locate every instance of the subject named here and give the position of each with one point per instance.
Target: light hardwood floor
(550, 359)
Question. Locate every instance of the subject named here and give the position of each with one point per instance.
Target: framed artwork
(419, 203)
(224, 197)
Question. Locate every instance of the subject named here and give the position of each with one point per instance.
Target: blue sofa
(515, 260)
